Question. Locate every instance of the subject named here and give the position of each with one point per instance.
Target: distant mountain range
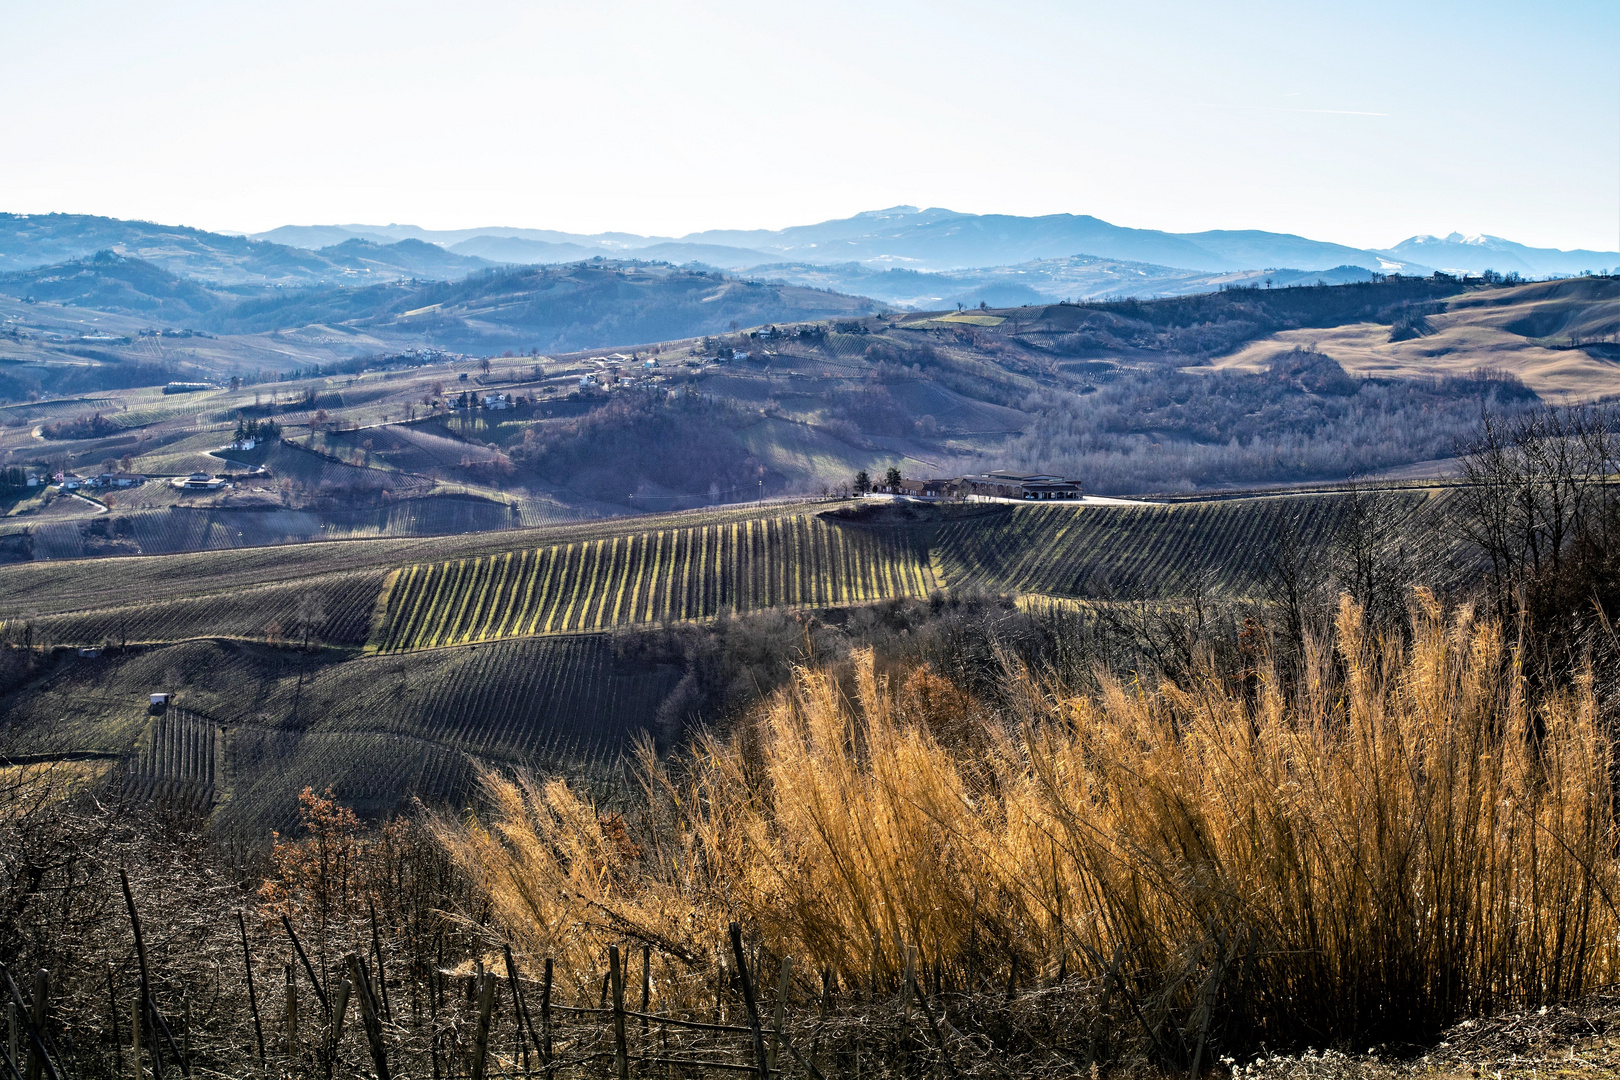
(939, 240)
(29, 241)
(901, 256)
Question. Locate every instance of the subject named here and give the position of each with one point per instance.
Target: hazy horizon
(1361, 128)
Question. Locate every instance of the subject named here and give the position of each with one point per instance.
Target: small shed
(160, 700)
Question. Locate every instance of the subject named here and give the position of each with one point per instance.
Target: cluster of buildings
(1032, 487)
(71, 481)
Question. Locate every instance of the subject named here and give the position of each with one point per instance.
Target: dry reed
(1394, 836)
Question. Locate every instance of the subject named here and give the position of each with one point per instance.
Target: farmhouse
(1006, 485)
(995, 485)
(198, 481)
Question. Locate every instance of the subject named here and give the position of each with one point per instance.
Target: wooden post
(368, 1014)
(118, 1038)
(42, 990)
(621, 1051)
(144, 1008)
(749, 1000)
(1212, 990)
(908, 990)
(1102, 1010)
(545, 1020)
(783, 983)
(340, 1005)
(309, 969)
(486, 1005)
(253, 998)
(646, 982)
(292, 1010)
(519, 1010)
(136, 1022)
(382, 976)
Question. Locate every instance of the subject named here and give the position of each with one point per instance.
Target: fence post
(783, 983)
(749, 1001)
(486, 1005)
(621, 1052)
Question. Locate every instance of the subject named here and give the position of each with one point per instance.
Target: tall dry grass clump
(1394, 836)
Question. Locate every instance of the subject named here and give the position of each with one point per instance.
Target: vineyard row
(668, 575)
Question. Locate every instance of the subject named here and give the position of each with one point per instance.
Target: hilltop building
(1033, 487)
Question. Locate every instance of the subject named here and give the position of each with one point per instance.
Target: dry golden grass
(1473, 333)
(1396, 838)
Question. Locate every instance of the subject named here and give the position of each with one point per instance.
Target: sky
(1361, 124)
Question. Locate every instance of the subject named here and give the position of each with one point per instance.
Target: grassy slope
(1524, 331)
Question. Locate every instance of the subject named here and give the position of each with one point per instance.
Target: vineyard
(252, 725)
(179, 759)
(337, 610)
(1159, 550)
(664, 575)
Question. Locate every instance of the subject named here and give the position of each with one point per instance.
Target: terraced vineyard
(1068, 551)
(667, 575)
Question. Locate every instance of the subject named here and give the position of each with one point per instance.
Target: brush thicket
(1394, 836)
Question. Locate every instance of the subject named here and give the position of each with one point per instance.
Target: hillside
(577, 306)
(1558, 337)
(492, 645)
(1242, 387)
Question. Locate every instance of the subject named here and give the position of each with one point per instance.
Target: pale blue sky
(1361, 123)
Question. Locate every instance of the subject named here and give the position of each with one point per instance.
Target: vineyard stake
(1102, 1011)
(253, 999)
(339, 1007)
(545, 1020)
(368, 1014)
(519, 1010)
(308, 968)
(621, 1053)
(42, 990)
(36, 1041)
(12, 1030)
(11, 1066)
(646, 981)
(749, 1001)
(782, 985)
(433, 1016)
(135, 1034)
(146, 1010)
(1212, 989)
(382, 976)
(486, 1005)
(118, 1039)
(292, 1010)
